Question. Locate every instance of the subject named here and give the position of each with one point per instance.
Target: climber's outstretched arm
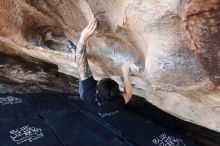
(127, 94)
(83, 66)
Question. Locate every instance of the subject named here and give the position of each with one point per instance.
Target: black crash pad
(26, 131)
(56, 119)
(137, 129)
(15, 105)
(74, 128)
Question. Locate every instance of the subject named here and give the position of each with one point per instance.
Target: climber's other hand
(125, 68)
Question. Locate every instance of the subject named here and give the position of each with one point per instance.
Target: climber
(104, 95)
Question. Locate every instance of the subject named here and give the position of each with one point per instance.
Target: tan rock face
(200, 27)
(173, 46)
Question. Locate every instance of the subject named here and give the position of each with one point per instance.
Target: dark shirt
(87, 89)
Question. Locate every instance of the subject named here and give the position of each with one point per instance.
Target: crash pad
(56, 119)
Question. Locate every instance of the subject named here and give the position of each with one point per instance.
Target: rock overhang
(173, 47)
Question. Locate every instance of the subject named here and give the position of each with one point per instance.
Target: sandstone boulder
(173, 46)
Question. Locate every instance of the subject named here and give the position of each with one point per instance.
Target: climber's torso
(87, 89)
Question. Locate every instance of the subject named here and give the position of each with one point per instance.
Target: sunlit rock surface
(173, 47)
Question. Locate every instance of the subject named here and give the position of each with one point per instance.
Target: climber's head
(107, 89)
